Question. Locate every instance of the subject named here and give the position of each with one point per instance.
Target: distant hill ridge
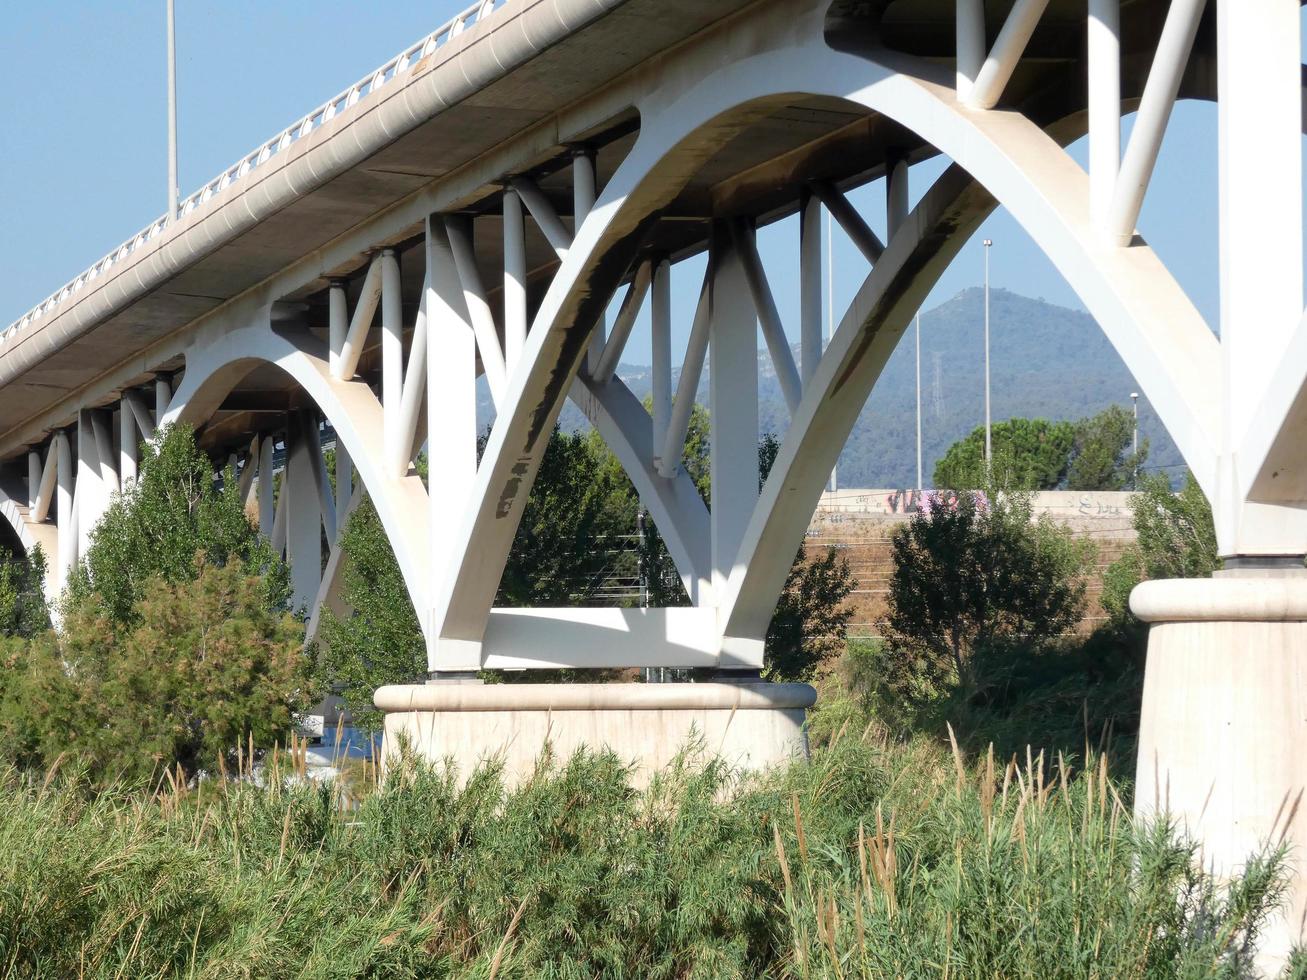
(1045, 360)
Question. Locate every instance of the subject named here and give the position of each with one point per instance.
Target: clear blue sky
(83, 156)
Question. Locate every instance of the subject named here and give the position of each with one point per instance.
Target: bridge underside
(475, 211)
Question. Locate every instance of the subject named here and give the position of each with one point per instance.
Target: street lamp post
(172, 113)
(1134, 399)
(919, 481)
(989, 447)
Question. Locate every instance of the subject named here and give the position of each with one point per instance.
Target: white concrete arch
(1147, 317)
(215, 367)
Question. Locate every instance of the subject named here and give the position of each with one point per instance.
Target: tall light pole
(919, 400)
(989, 448)
(1134, 399)
(830, 319)
(172, 113)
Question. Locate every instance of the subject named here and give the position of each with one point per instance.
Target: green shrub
(23, 609)
(969, 574)
(203, 666)
(1176, 539)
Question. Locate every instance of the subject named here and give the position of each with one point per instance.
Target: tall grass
(874, 860)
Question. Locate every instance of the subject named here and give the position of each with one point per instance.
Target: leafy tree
(201, 665)
(1029, 454)
(808, 628)
(573, 528)
(1176, 538)
(971, 573)
(811, 618)
(380, 641)
(23, 610)
(1102, 458)
(155, 527)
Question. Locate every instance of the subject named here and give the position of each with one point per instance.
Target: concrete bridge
(473, 206)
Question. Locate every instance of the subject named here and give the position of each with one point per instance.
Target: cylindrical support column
(33, 481)
(1104, 106)
(267, 486)
(101, 427)
(337, 324)
(303, 514)
(810, 308)
(514, 278)
(88, 481)
(1222, 728)
(66, 511)
(128, 445)
(583, 200)
(162, 397)
(971, 44)
(392, 352)
(660, 306)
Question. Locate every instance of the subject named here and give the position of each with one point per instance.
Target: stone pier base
(1223, 738)
(751, 726)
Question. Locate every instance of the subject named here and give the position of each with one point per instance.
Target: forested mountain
(1045, 361)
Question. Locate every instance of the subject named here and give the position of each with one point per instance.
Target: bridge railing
(393, 68)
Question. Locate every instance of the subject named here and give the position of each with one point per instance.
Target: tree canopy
(158, 523)
(1094, 453)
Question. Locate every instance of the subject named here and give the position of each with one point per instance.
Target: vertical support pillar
(267, 487)
(128, 445)
(337, 323)
(303, 516)
(1260, 171)
(89, 487)
(451, 432)
(392, 353)
(1104, 107)
(810, 307)
(733, 411)
(514, 279)
(33, 481)
(66, 513)
(660, 305)
(583, 200)
(971, 45)
(162, 397)
(102, 428)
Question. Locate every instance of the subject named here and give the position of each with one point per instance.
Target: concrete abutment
(751, 726)
(1223, 734)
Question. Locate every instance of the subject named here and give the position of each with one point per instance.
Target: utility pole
(989, 448)
(172, 113)
(1134, 399)
(919, 400)
(830, 318)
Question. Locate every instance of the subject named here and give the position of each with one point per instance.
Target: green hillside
(1045, 361)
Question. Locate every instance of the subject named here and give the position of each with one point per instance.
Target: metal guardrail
(396, 66)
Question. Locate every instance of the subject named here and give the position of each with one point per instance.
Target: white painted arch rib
(1147, 317)
(213, 369)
